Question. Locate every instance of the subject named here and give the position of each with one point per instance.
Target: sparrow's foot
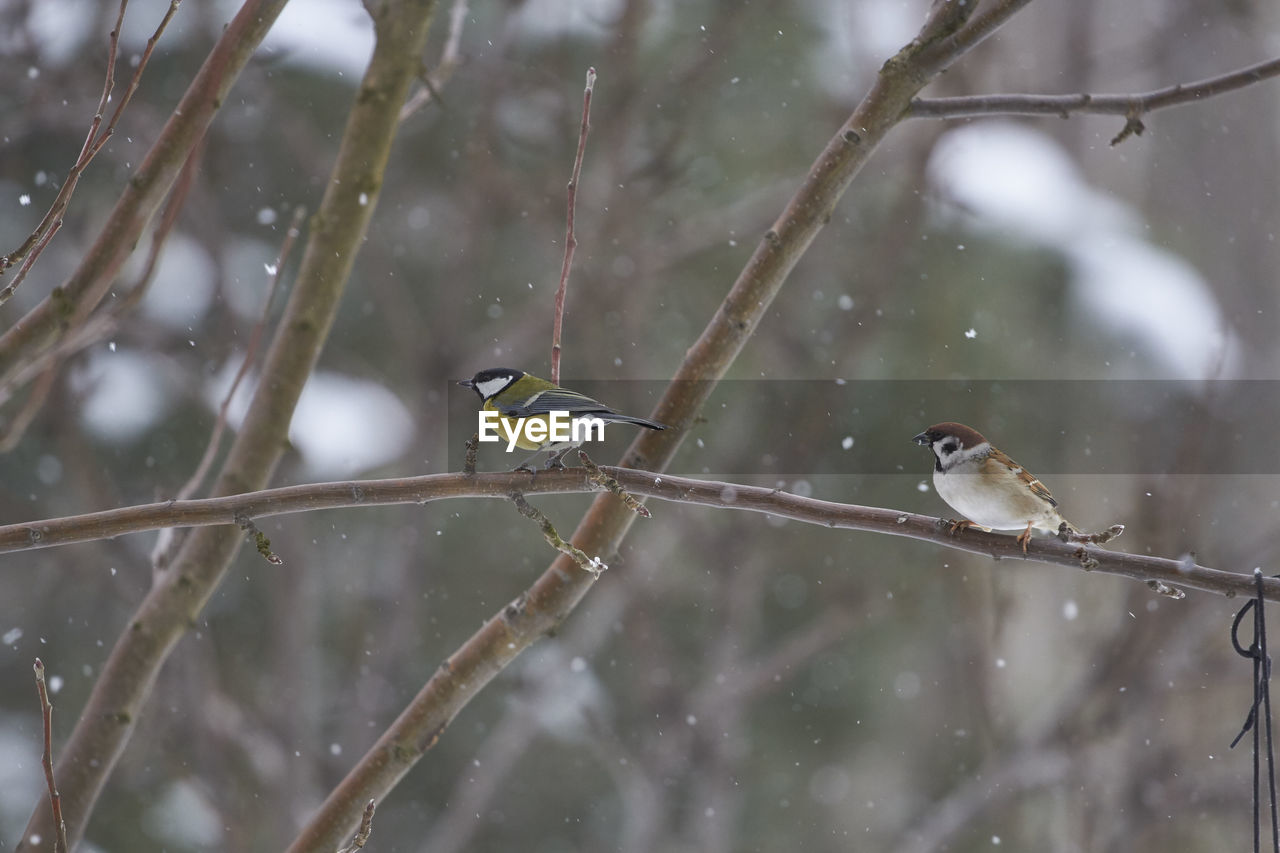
(963, 524)
(1024, 538)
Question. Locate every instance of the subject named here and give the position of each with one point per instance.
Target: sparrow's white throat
(950, 453)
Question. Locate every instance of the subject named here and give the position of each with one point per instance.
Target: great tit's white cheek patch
(489, 387)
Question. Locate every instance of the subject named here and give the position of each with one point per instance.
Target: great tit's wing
(554, 400)
(564, 400)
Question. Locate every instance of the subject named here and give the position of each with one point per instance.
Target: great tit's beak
(922, 439)
(467, 383)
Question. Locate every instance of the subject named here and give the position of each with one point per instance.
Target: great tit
(518, 396)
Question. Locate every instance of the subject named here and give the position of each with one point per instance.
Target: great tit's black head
(492, 381)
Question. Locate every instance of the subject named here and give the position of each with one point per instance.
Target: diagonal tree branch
(179, 593)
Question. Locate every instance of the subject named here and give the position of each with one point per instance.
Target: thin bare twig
(585, 562)
(600, 478)
(1132, 106)
(34, 245)
(260, 541)
(570, 240)
(450, 57)
(68, 186)
(366, 828)
(136, 79)
(46, 758)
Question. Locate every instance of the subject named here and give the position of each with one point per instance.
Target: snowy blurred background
(732, 683)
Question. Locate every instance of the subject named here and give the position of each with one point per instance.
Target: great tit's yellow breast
(517, 426)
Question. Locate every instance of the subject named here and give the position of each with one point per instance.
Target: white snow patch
(182, 290)
(183, 815)
(331, 35)
(555, 20)
(1014, 180)
(341, 426)
(123, 397)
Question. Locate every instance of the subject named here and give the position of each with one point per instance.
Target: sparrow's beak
(922, 439)
(467, 383)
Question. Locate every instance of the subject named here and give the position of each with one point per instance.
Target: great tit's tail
(614, 417)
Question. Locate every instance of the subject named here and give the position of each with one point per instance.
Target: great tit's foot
(523, 466)
(469, 461)
(554, 462)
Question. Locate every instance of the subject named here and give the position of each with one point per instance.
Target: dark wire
(1257, 652)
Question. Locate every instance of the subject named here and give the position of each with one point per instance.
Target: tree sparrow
(987, 487)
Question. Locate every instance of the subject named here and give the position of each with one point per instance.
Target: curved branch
(233, 509)
(1132, 105)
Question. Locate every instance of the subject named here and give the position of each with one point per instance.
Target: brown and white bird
(986, 487)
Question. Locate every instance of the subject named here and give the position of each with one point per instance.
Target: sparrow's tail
(1065, 526)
